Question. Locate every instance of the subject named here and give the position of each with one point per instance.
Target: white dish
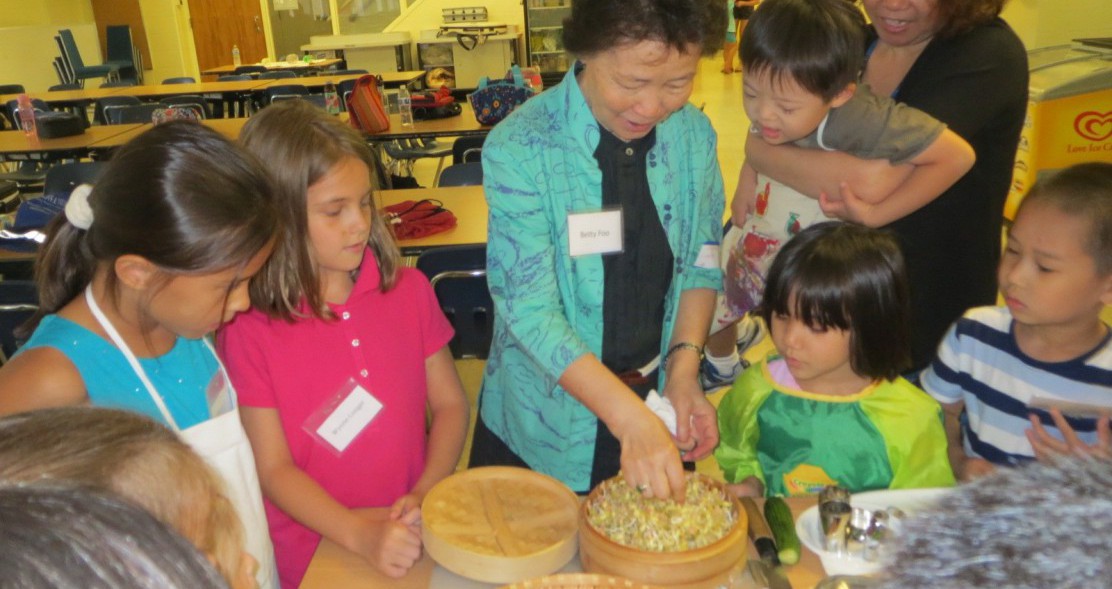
(810, 532)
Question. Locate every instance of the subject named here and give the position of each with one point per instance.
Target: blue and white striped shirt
(980, 363)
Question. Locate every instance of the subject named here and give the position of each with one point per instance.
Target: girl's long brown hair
(299, 144)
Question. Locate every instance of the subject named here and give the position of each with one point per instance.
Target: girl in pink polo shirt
(340, 358)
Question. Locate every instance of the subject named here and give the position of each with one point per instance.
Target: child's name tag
(354, 413)
(595, 233)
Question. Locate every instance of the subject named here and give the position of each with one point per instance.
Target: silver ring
(642, 488)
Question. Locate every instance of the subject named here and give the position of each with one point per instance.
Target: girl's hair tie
(78, 211)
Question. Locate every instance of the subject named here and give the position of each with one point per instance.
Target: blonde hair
(300, 144)
(130, 455)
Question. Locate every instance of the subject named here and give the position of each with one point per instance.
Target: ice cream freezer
(1069, 113)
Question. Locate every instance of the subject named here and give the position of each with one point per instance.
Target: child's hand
(750, 487)
(975, 468)
(1048, 447)
(745, 196)
(392, 546)
(405, 505)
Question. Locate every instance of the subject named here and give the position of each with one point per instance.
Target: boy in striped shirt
(1048, 341)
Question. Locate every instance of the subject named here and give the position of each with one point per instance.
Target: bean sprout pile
(661, 525)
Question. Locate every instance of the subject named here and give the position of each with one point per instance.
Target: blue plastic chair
(120, 51)
(19, 299)
(458, 277)
(80, 71)
(469, 174)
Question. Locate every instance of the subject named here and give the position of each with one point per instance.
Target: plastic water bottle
(331, 99)
(27, 117)
(405, 107)
(236, 61)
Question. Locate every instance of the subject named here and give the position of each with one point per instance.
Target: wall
(1042, 23)
(426, 14)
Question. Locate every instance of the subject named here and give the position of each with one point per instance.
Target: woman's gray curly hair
(1036, 527)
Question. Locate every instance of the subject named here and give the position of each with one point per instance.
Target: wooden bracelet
(681, 346)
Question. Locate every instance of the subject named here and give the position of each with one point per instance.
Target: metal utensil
(767, 570)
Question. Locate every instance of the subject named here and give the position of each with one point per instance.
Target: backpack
(365, 107)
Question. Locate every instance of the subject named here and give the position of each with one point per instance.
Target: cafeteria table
(334, 567)
(14, 145)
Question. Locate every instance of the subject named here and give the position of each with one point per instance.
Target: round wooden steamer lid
(500, 524)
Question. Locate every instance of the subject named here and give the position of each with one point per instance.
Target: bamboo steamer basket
(716, 564)
(499, 524)
(580, 581)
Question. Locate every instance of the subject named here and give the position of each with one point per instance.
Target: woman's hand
(696, 419)
(650, 461)
(846, 206)
(1047, 447)
(392, 546)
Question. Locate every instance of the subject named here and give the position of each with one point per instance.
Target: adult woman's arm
(696, 420)
(936, 168)
(649, 458)
(523, 260)
(815, 172)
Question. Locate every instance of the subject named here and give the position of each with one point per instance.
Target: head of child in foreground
(1057, 265)
(801, 58)
(1039, 525)
(67, 537)
(180, 214)
(324, 174)
(836, 303)
(138, 459)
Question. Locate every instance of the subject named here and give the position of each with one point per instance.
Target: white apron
(222, 442)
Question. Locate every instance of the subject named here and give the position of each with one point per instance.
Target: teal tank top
(182, 376)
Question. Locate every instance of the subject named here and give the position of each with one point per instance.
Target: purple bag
(494, 100)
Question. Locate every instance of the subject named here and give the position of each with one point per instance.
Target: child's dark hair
(300, 144)
(599, 25)
(1083, 191)
(847, 277)
(820, 44)
(180, 195)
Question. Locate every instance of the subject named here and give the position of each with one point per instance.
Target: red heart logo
(1093, 125)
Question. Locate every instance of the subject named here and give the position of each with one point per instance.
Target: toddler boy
(801, 60)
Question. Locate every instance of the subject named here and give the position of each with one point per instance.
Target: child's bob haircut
(820, 44)
(300, 144)
(1083, 191)
(849, 277)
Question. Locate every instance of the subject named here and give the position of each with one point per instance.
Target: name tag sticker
(338, 422)
(708, 256)
(595, 233)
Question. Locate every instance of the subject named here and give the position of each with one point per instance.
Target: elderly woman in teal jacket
(606, 201)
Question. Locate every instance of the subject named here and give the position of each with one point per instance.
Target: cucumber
(780, 520)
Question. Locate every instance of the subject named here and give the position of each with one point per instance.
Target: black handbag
(56, 124)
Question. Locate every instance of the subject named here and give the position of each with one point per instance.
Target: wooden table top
(466, 203)
(461, 125)
(276, 65)
(98, 136)
(334, 567)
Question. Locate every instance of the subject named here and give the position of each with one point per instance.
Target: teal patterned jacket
(539, 166)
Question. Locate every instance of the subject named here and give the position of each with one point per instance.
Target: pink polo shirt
(381, 341)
